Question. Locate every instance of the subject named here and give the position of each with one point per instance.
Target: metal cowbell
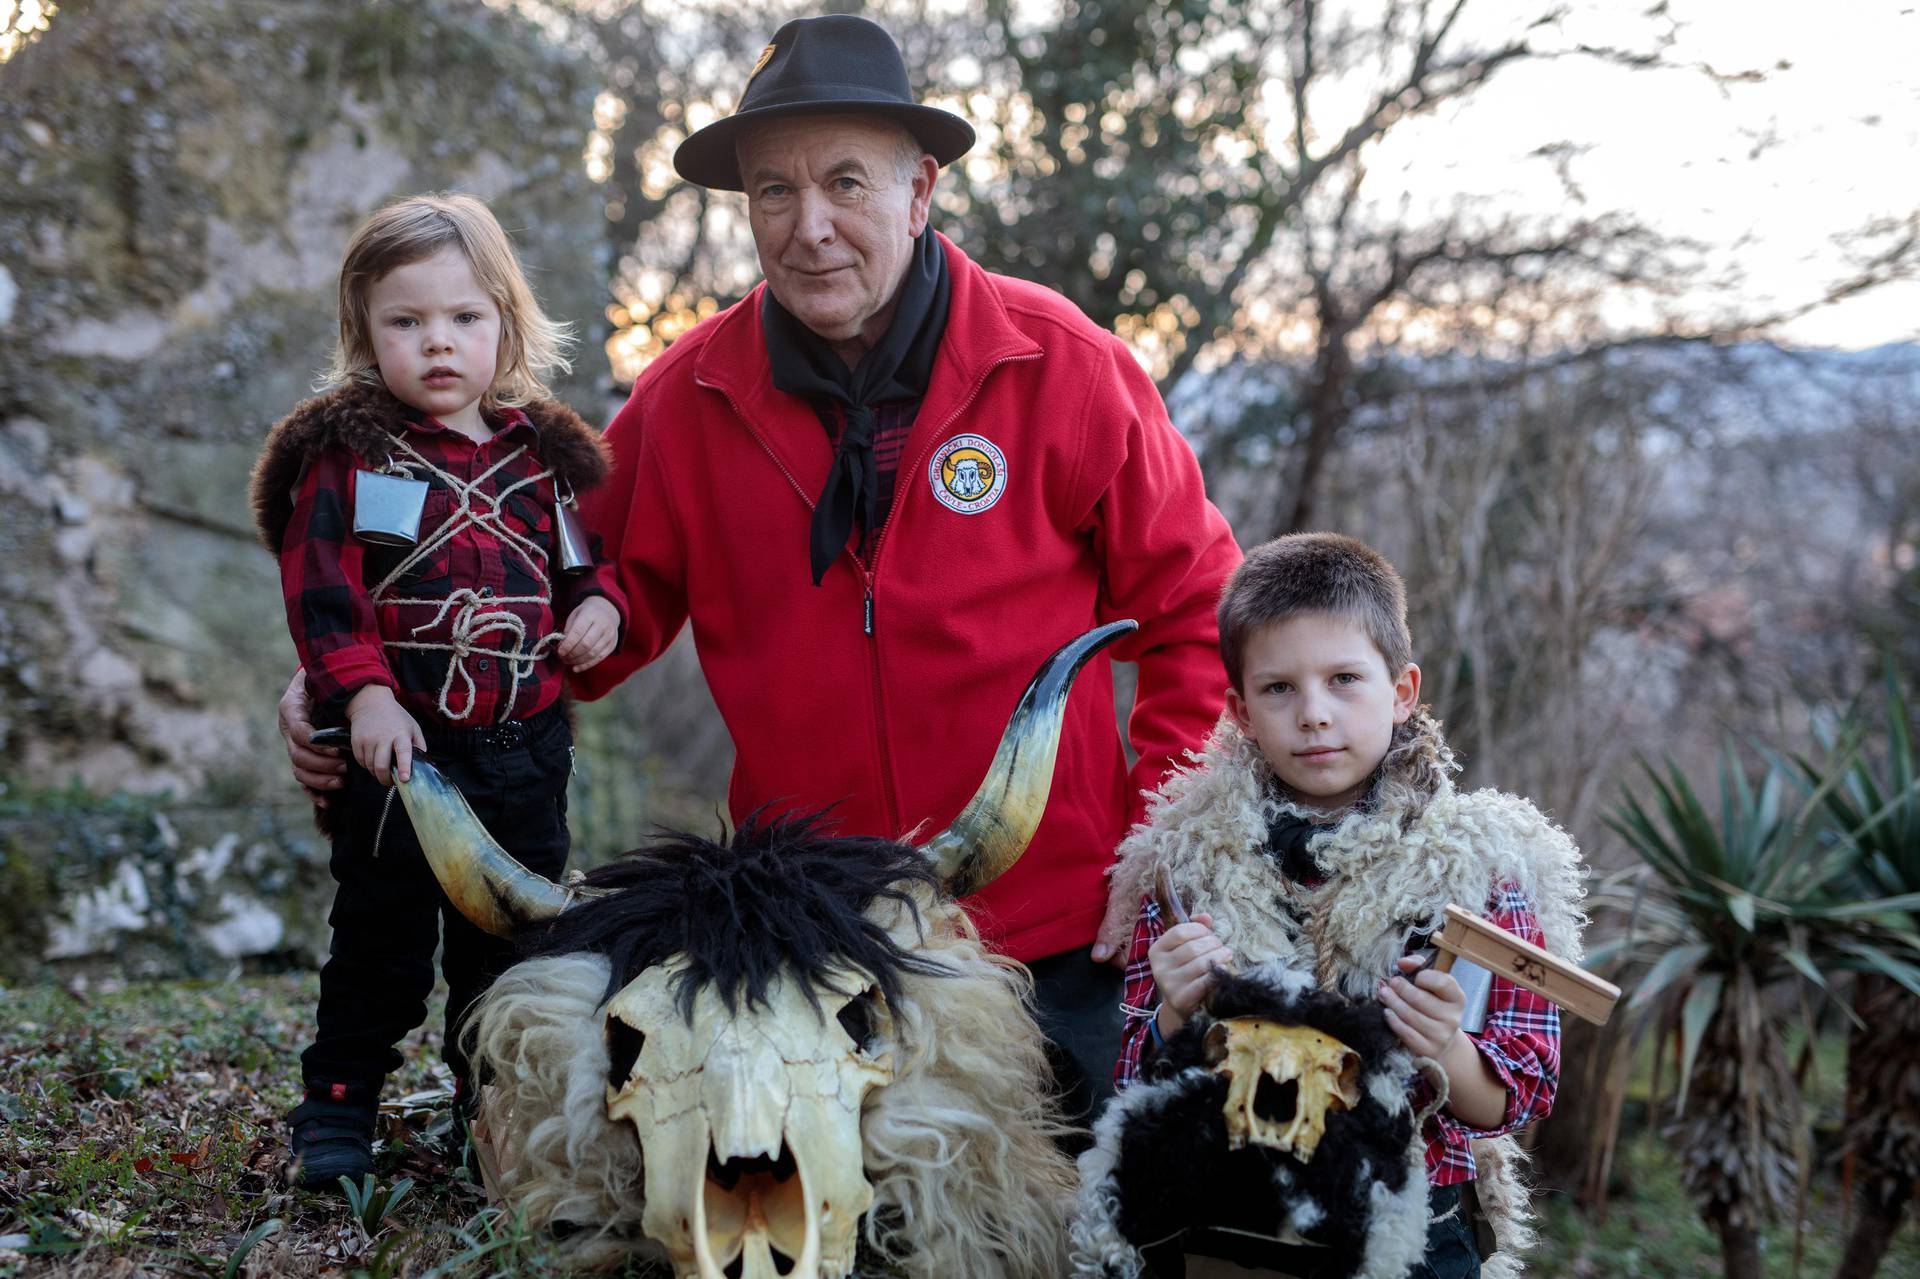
(387, 508)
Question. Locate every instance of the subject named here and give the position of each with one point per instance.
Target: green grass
(141, 1131)
(143, 1124)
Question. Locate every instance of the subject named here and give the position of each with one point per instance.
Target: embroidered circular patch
(968, 474)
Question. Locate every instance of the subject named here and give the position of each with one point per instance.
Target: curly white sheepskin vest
(1392, 868)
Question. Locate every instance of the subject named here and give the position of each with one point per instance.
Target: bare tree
(1198, 177)
(1517, 518)
(1195, 175)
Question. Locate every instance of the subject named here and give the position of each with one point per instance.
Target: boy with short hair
(1320, 828)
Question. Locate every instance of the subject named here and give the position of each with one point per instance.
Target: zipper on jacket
(889, 794)
(871, 568)
(859, 565)
(868, 568)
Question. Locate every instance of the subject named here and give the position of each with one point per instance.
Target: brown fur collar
(357, 418)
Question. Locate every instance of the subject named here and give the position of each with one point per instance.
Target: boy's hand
(1183, 960)
(591, 632)
(384, 736)
(1425, 1009)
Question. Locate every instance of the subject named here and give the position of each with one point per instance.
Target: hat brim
(707, 157)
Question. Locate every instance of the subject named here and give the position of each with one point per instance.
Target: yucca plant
(1876, 809)
(1729, 913)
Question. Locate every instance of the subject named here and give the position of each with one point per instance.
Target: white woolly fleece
(539, 1033)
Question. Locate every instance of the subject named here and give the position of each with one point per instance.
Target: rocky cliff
(178, 179)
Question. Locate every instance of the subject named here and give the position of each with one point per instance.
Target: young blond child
(1321, 828)
(444, 628)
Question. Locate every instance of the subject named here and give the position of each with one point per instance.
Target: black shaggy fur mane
(784, 894)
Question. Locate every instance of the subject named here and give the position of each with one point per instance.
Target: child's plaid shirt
(347, 640)
(1521, 1040)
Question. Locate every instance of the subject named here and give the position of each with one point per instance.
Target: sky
(1766, 173)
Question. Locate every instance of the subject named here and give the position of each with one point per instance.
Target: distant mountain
(1731, 389)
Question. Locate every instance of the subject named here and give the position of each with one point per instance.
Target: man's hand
(384, 736)
(1183, 961)
(1123, 907)
(1425, 1009)
(591, 633)
(318, 770)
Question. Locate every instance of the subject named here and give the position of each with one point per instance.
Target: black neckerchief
(897, 368)
(1287, 844)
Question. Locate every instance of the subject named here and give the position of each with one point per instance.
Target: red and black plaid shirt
(474, 584)
(1521, 1041)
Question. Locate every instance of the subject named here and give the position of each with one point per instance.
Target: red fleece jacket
(885, 689)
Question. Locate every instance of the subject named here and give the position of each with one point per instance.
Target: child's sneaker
(332, 1136)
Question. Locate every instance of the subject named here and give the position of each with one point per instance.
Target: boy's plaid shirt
(1521, 1041)
(326, 573)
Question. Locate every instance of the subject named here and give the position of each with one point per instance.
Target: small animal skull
(749, 1121)
(1282, 1082)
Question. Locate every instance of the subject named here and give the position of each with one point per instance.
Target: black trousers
(1077, 1003)
(389, 912)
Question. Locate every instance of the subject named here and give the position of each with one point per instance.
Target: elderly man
(883, 487)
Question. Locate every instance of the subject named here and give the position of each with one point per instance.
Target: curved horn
(481, 878)
(991, 832)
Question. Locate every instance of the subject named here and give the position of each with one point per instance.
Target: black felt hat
(838, 64)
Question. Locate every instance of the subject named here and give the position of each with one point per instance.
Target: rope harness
(476, 615)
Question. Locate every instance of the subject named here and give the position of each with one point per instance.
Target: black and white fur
(1160, 1163)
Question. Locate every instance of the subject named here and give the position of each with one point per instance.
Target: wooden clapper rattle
(1467, 936)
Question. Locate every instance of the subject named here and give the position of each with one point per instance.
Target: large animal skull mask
(749, 1118)
(766, 1100)
(1282, 1082)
